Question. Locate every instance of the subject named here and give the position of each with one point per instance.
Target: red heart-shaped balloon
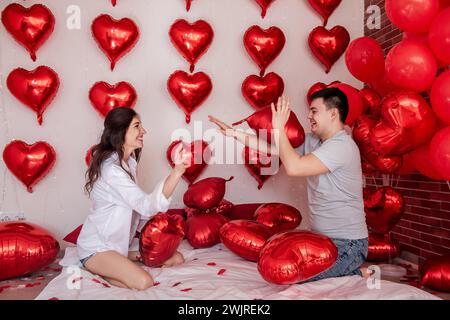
(328, 46)
(36, 89)
(294, 256)
(29, 163)
(260, 92)
(188, 5)
(435, 273)
(114, 37)
(372, 102)
(325, 8)
(381, 248)
(264, 45)
(317, 87)
(407, 122)
(361, 134)
(160, 238)
(203, 231)
(259, 165)
(224, 208)
(200, 155)
(189, 91)
(105, 97)
(245, 238)
(191, 40)
(384, 208)
(278, 217)
(114, 2)
(30, 27)
(25, 248)
(264, 4)
(206, 193)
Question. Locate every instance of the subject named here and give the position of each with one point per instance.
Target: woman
(107, 245)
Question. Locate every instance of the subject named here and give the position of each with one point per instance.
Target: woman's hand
(225, 129)
(280, 114)
(181, 159)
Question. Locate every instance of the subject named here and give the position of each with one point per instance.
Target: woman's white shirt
(119, 205)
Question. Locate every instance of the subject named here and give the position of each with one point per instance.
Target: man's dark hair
(334, 98)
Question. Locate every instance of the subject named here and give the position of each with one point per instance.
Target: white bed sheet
(218, 274)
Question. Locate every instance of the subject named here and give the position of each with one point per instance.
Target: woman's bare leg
(176, 259)
(119, 269)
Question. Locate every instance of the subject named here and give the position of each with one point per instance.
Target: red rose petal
(54, 298)
(212, 264)
(31, 285)
(186, 290)
(156, 283)
(221, 272)
(4, 287)
(176, 284)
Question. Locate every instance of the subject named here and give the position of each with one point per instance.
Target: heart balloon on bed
(105, 97)
(160, 238)
(25, 248)
(261, 122)
(203, 230)
(295, 256)
(224, 208)
(245, 238)
(278, 217)
(206, 193)
(381, 248)
(435, 273)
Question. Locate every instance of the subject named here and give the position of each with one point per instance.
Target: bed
(218, 274)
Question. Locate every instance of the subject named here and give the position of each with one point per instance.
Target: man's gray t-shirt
(335, 198)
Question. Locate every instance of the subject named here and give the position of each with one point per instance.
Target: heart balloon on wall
(191, 40)
(160, 238)
(206, 193)
(264, 4)
(36, 89)
(30, 27)
(114, 2)
(317, 87)
(189, 91)
(328, 45)
(260, 92)
(114, 37)
(264, 45)
(278, 217)
(259, 165)
(325, 8)
(245, 238)
(200, 155)
(25, 248)
(105, 97)
(295, 256)
(188, 5)
(355, 102)
(29, 163)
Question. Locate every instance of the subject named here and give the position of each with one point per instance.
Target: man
(331, 162)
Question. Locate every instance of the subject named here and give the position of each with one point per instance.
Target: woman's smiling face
(134, 138)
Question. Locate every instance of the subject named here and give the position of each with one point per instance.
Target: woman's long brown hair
(112, 140)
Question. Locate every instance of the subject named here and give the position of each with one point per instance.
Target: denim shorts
(351, 255)
(83, 261)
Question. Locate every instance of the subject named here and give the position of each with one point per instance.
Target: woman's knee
(142, 282)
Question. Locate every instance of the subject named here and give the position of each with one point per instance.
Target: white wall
(71, 125)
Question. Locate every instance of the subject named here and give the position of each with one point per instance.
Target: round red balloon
(245, 238)
(105, 97)
(203, 230)
(422, 162)
(206, 193)
(160, 238)
(440, 153)
(412, 16)
(295, 256)
(25, 248)
(440, 97)
(278, 217)
(261, 92)
(435, 273)
(29, 163)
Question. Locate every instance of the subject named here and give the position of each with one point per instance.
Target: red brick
(444, 234)
(445, 224)
(430, 238)
(421, 227)
(412, 217)
(440, 249)
(411, 233)
(445, 242)
(401, 238)
(428, 254)
(440, 196)
(431, 221)
(409, 248)
(421, 244)
(445, 206)
(404, 223)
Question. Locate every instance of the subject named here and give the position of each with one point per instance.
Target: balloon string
(374, 181)
(448, 184)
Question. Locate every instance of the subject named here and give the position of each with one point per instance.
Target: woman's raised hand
(181, 159)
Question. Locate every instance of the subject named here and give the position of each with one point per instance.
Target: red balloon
(355, 102)
(440, 97)
(408, 165)
(160, 238)
(435, 273)
(245, 238)
(259, 165)
(278, 217)
(423, 38)
(371, 101)
(365, 59)
(206, 193)
(412, 16)
(105, 97)
(203, 231)
(384, 208)
(261, 92)
(294, 256)
(115, 37)
(224, 208)
(317, 87)
(361, 134)
(261, 122)
(25, 248)
(244, 211)
(410, 65)
(30, 27)
(29, 163)
(440, 153)
(191, 40)
(264, 45)
(264, 4)
(328, 45)
(407, 122)
(443, 4)
(88, 157)
(384, 86)
(36, 89)
(200, 155)
(325, 8)
(422, 162)
(188, 5)
(189, 91)
(381, 248)
(439, 36)
(114, 2)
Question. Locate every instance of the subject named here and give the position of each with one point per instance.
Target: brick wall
(424, 230)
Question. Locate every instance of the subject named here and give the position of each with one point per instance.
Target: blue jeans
(351, 255)
(83, 261)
